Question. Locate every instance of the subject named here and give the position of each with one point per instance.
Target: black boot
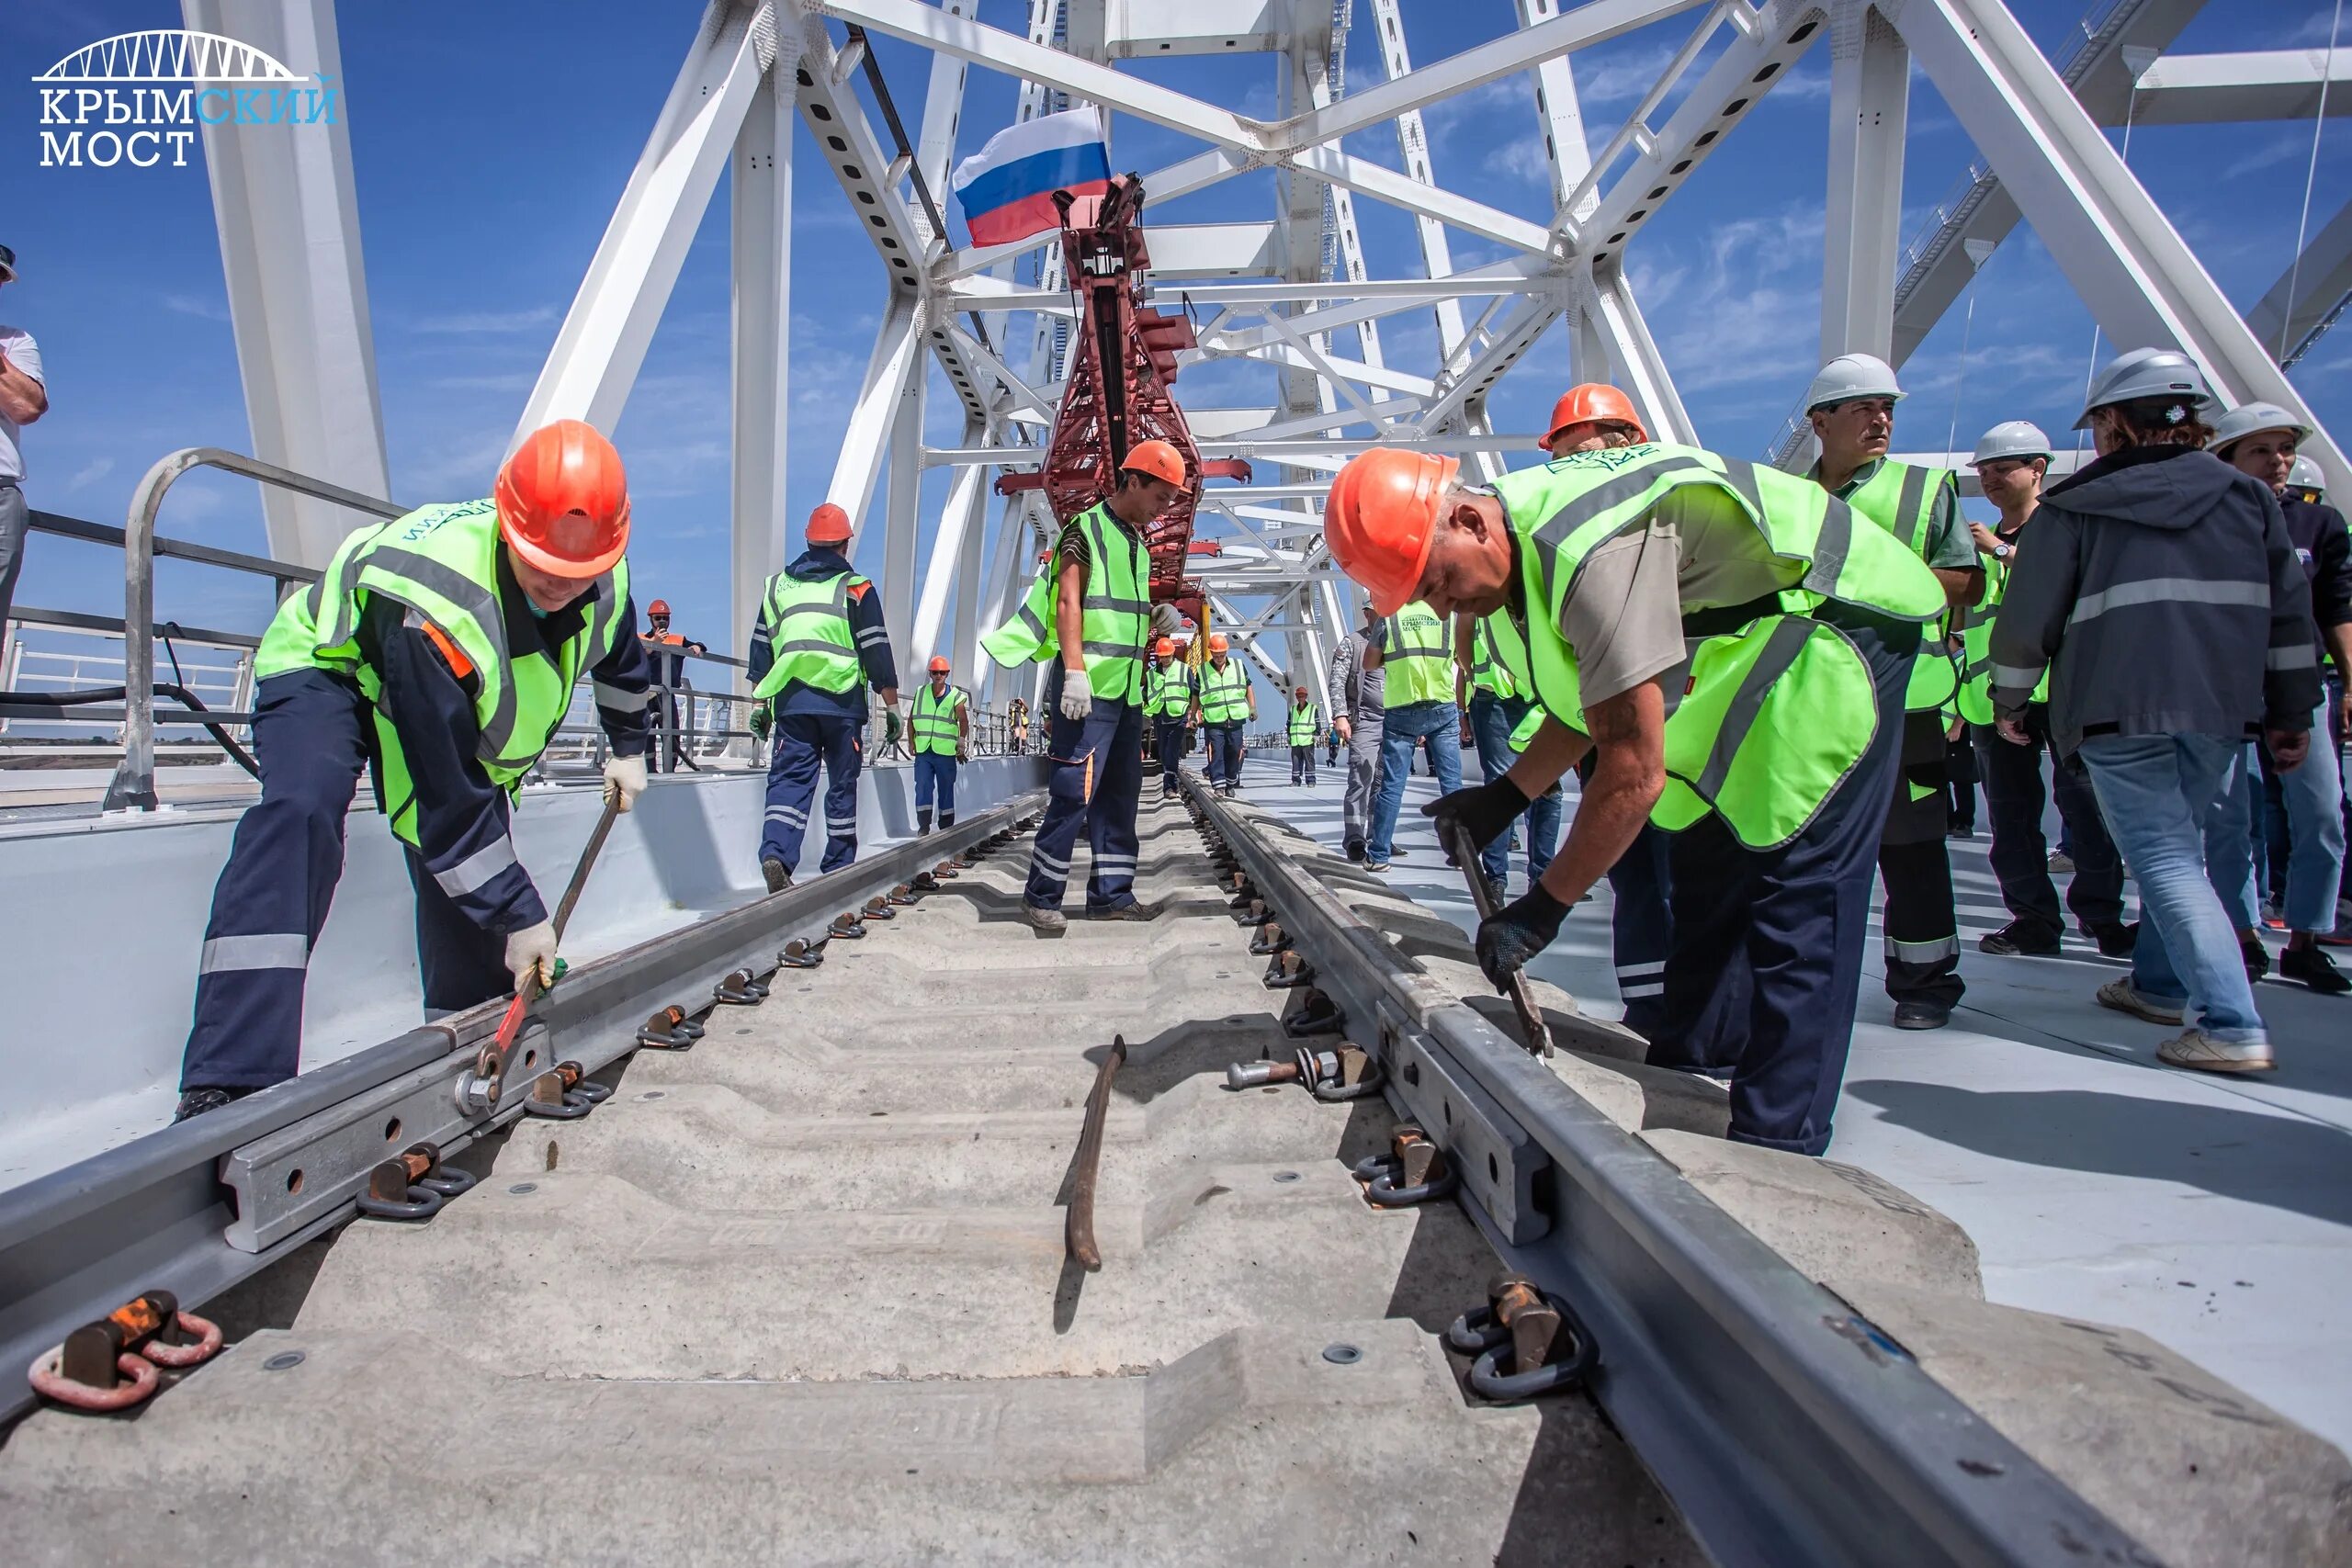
(947, 820)
(922, 819)
(197, 1102)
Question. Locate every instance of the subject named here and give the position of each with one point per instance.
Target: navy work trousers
(1223, 741)
(1168, 740)
(935, 779)
(803, 742)
(1787, 928)
(1097, 782)
(310, 738)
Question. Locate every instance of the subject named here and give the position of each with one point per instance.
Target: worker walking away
(1851, 407)
(941, 723)
(666, 652)
(1090, 611)
(1591, 571)
(2308, 486)
(1305, 723)
(2159, 591)
(439, 650)
(1168, 699)
(1331, 744)
(1495, 711)
(1016, 719)
(819, 640)
(1228, 703)
(1413, 647)
(1360, 690)
(2011, 462)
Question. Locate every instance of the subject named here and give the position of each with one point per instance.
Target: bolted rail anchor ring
(1516, 1342)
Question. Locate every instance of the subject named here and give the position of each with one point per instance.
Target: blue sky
(491, 141)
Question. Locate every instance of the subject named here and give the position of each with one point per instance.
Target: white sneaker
(2117, 994)
(2200, 1051)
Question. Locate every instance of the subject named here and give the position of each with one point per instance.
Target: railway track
(811, 1289)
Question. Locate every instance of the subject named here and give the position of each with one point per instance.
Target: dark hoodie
(2160, 588)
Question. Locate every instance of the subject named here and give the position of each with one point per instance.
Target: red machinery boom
(1122, 359)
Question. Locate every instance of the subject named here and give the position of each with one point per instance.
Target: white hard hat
(2248, 418)
(2147, 373)
(2011, 438)
(1851, 376)
(2306, 475)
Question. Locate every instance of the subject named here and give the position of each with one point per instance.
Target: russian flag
(1007, 187)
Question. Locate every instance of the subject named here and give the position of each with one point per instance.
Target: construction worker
(1168, 699)
(1591, 569)
(1016, 718)
(1413, 647)
(942, 726)
(440, 650)
(2011, 461)
(666, 652)
(1851, 407)
(819, 638)
(1496, 709)
(1305, 723)
(1091, 613)
(1228, 703)
(1361, 694)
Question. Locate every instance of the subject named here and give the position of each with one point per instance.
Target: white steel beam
(2219, 89)
(761, 238)
(895, 361)
(1154, 29)
(903, 523)
(1385, 183)
(1641, 370)
(289, 222)
(1413, 143)
(2303, 300)
(603, 336)
(966, 495)
(1870, 91)
(1331, 453)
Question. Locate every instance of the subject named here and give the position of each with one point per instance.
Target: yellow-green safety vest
(1302, 725)
(1168, 693)
(1901, 499)
(1115, 612)
(935, 719)
(1776, 713)
(1487, 673)
(1975, 701)
(1225, 693)
(810, 633)
(442, 563)
(1417, 656)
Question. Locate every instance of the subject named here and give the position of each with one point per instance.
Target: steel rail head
(1786, 1427)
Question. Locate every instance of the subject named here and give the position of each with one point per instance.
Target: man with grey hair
(24, 397)
(1359, 705)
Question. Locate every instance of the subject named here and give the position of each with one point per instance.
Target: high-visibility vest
(1225, 693)
(1115, 612)
(934, 718)
(810, 633)
(1168, 693)
(1975, 701)
(1417, 654)
(1777, 712)
(1303, 722)
(1487, 673)
(1901, 499)
(442, 563)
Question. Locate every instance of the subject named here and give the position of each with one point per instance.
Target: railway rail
(944, 1241)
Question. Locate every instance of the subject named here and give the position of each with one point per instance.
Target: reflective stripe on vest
(1225, 693)
(810, 633)
(1417, 656)
(1302, 725)
(1168, 693)
(934, 718)
(1487, 673)
(1975, 697)
(1901, 499)
(1115, 612)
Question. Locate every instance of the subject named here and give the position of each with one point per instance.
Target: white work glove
(1078, 698)
(530, 957)
(624, 781)
(1165, 621)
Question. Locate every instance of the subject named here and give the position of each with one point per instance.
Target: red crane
(1121, 360)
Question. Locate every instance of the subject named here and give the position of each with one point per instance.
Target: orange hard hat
(1299, 691)
(1594, 402)
(1156, 459)
(1216, 642)
(1164, 647)
(1380, 518)
(828, 524)
(563, 500)
(659, 607)
(938, 664)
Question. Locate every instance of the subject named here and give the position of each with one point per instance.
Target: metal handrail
(133, 785)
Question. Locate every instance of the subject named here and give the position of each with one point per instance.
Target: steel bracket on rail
(1505, 1170)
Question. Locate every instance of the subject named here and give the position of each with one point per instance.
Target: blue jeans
(2313, 798)
(2169, 804)
(1492, 719)
(1403, 730)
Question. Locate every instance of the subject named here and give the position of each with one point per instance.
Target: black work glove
(1517, 933)
(1487, 809)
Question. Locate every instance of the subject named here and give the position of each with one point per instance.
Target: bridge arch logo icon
(137, 98)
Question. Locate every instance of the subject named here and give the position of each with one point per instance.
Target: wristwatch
(2002, 551)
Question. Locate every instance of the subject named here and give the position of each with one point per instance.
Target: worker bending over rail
(441, 650)
(1093, 608)
(1590, 572)
(941, 723)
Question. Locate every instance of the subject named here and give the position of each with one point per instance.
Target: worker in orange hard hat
(1168, 703)
(1304, 724)
(1589, 571)
(1591, 417)
(1228, 703)
(942, 726)
(666, 653)
(1090, 614)
(439, 649)
(819, 644)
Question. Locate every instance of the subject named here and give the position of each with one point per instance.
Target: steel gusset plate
(1787, 1429)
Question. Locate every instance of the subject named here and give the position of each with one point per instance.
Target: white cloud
(90, 473)
(488, 321)
(197, 306)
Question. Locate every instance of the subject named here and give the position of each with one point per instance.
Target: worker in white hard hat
(1851, 407)
(2011, 462)
(2261, 439)
(2305, 482)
